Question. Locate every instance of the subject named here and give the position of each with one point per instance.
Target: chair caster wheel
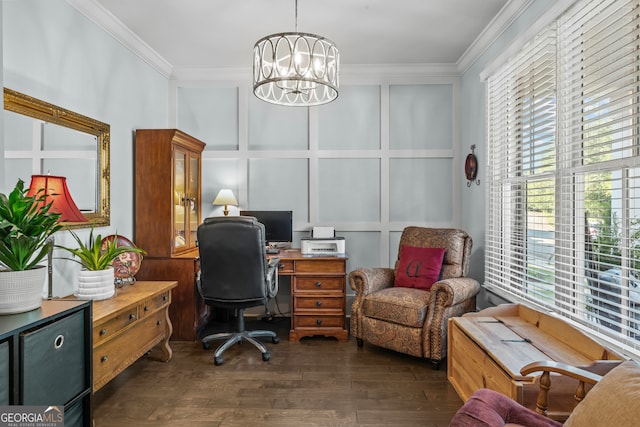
(217, 361)
(275, 340)
(206, 345)
(266, 357)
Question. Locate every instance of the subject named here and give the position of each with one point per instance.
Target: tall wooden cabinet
(167, 213)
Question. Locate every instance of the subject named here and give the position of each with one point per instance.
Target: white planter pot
(21, 291)
(96, 285)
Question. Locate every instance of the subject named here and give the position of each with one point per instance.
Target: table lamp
(225, 197)
(55, 191)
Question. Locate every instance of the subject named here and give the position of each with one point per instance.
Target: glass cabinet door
(180, 199)
(194, 203)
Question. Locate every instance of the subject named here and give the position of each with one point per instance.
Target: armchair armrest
(583, 377)
(367, 280)
(450, 292)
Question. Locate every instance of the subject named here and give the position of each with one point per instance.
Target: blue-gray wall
(54, 53)
(391, 170)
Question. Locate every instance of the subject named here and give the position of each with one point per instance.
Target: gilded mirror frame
(41, 110)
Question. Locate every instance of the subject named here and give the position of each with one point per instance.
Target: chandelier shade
(295, 69)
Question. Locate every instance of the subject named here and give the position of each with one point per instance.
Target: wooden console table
(318, 294)
(128, 325)
(489, 348)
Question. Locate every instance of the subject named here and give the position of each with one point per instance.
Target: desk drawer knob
(318, 284)
(165, 297)
(103, 359)
(281, 266)
(132, 316)
(103, 332)
(146, 308)
(318, 303)
(159, 322)
(318, 322)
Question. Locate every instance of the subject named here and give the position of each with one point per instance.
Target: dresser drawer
(317, 284)
(153, 304)
(318, 321)
(319, 302)
(53, 362)
(114, 325)
(112, 357)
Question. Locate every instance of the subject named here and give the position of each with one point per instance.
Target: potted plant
(26, 223)
(96, 278)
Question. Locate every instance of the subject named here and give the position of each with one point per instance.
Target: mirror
(51, 139)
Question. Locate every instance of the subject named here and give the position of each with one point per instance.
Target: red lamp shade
(56, 191)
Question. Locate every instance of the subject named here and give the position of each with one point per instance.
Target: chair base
(239, 337)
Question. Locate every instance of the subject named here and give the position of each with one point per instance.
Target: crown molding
(550, 15)
(110, 24)
(113, 26)
(509, 13)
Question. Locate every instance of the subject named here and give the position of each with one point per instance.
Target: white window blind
(564, 171)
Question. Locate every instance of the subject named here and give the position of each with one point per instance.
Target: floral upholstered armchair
(406, 308)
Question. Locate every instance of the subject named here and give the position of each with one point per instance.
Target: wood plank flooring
(315, 382)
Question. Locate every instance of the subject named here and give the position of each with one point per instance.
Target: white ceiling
(197, 34)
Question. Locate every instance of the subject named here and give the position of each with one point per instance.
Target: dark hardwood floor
(315, 382)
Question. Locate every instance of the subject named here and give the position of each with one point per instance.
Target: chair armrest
(367, 280)
(561, 368)
(272, 277)
(450, 292)
(547, 367)
(273, 262)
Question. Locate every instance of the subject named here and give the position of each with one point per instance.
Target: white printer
(322, 242)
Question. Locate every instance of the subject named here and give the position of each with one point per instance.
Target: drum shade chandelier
(295, 69)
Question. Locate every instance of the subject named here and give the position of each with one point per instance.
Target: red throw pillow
(419, 267)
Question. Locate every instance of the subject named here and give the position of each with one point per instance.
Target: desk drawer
(320, 266)
(286, 267)
(114, 325)
(112, 357)
(318, 321)
(153, 304)
(319, 302)
(318, 284)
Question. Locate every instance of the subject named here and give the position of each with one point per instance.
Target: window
(563, 125)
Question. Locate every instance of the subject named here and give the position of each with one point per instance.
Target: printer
(323, 241)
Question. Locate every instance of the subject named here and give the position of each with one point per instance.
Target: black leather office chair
(235, 274)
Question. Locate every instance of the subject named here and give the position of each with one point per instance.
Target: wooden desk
(318, 294)
(128, 325)
(489, 348)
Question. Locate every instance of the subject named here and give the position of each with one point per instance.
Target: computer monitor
(278, 225)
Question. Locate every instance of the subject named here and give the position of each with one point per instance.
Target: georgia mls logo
(31, 416)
